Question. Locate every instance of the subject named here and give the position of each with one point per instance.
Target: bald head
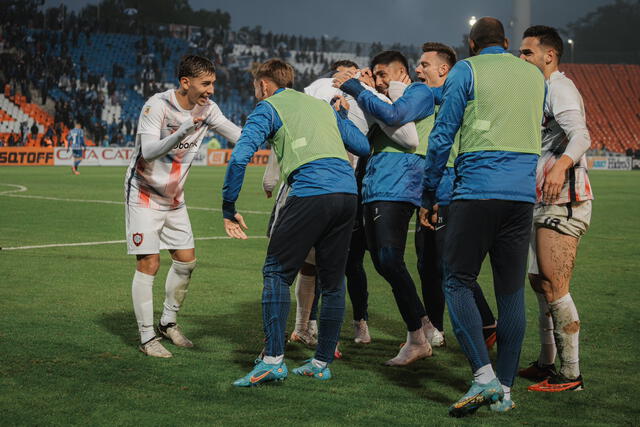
(487, 32)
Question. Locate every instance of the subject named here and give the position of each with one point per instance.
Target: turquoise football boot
(262, 373)
(502, 406)
(477, 396)
(309, 370)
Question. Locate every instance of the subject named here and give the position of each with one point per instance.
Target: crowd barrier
(121, 156)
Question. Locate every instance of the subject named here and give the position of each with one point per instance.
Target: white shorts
(149, 230)
(572, 222)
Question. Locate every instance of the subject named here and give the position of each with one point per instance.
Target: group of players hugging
(488, 154)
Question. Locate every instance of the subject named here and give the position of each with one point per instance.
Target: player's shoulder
(562, 90)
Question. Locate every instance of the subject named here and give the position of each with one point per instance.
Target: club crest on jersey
(137, 238)
(146, 110)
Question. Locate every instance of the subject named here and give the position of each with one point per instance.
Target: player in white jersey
(561, 216)
(171, 127)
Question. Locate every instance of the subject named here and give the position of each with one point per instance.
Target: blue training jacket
(322, 176)
(479, 175)
(395, 177)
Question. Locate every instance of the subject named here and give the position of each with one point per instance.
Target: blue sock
(511, 326)
(466, 321)
(331, 316)
(275, 307)
(76, 164)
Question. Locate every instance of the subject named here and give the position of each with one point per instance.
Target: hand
(555, 178)
(197, 121)
(340, 78)
(403, 78)
(425, 215)
(340, 102)
(366, 77)
(268, 193)
(234, 227)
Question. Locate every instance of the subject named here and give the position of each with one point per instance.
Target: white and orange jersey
(562, 97)
(159, 183)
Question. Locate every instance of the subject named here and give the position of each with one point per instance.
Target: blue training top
(76, 138)
(479, 175)
(395, 177)
(322, 176)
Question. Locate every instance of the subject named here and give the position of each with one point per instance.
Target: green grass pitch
(68, 334)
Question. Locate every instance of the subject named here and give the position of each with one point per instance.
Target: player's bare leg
(305, 294)
(142, 294)
(417, 347)
(178, 278)
(556, 254)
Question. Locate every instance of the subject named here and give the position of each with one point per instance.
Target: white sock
(305, 293)
(176, 289)
(507, 392)
(566, 333)
(273, 360)
(318, 364)
(142, 295)
(545, 324)
(484, 374)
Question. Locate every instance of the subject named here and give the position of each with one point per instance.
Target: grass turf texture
(69, 335)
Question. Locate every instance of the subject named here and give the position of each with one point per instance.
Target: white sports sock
(176, 289)
(273, 360)
(507, 392)
(305, 293)
(566, 332)
(484, 374)
(318, 364)
(545, 324)
(142, 295)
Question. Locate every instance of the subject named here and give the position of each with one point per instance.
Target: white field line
(22, 188)
(107, 242)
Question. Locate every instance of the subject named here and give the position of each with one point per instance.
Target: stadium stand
(612, 104)
(103, 79)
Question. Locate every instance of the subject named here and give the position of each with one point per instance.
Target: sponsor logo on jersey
(137, 238)
(185, 145)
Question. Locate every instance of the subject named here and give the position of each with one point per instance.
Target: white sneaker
(174, 333)
(437, 339)
(361, 332)
(303, 337)
(155, 349)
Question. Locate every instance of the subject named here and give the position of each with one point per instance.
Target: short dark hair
(194, 66)
(387, 57)
(343, 63)
(445, 52)
(487, 31)
(277, 70)
(547, 36)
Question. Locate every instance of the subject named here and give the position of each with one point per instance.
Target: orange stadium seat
(612, 104)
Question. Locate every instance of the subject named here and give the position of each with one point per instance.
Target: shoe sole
(471, 405)
(275, 381)
(578, 387)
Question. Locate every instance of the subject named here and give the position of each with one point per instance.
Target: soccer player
(561, 215)
(391, 187)
(496, 102)
(75, 142)
(433, 68)
(405, 135)
(309, 138)
(171, 127)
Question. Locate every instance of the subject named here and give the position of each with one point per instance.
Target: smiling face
(198, 89)
(534, 53)
(385, 73)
